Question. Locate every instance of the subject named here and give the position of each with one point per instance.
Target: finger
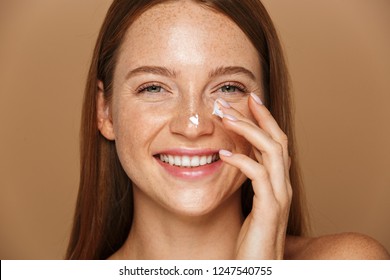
(256, 172)
(271, 151)
(257, 155)
(228, 111)
(267, 122)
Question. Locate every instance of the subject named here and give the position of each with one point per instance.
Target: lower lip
(191, 173)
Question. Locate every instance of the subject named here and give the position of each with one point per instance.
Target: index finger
(267, 122)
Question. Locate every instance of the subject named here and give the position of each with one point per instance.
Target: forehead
(186, 33)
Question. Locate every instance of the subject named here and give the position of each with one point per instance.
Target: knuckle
(283, 139)
(277, 148)
(284, 203)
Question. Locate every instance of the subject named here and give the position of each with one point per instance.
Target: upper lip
(188, 152)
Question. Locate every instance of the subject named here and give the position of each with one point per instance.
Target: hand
(263, 232)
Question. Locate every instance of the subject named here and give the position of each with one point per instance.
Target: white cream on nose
(216, 111)
(195, 120)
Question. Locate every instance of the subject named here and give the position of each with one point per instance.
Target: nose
(193, 118)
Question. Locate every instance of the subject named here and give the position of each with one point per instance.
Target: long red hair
(104, 208)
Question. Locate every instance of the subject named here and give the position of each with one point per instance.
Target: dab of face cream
(217, 111)
(195, 120)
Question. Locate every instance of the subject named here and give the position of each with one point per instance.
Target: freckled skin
(192, 41)
(200, 219)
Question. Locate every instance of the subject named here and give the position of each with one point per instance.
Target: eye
(153, 89)
(150, 88)
(232, 88)
(228, 88)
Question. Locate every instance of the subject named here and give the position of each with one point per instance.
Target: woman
(164, 178)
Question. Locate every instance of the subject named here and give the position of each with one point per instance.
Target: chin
(198, 204)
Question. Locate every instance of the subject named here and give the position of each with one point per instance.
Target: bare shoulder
(343, 246)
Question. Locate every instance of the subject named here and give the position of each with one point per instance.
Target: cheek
(135, 128)
(241, 145)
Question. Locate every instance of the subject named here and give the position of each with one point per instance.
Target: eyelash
(240, 88)
(144, 87)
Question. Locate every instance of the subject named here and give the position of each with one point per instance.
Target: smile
(189, 161)
(189, 164)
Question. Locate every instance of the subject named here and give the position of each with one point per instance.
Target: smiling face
(175, 60)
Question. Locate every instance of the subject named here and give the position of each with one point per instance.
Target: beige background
(338, 52)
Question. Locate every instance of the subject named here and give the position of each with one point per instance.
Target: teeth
(202, 160)
(178, 160)
(189, 161)
(185, 161)
(171, 160)
(195, 161)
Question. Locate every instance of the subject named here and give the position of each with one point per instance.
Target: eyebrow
(230, 70)
(158, 70)
(219, 71)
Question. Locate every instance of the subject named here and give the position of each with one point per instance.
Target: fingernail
(225, 153)
(223, 103)
(256, 98)
(229, 117)
(216, 110)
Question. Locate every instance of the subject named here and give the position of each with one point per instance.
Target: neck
(161, 234)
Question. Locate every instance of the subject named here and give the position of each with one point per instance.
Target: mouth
(187, 161)
(189, 164)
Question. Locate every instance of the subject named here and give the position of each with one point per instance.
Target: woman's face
(175, 60)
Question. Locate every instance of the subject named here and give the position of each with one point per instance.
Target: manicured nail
(217, 110)
(229, 117)
(256, 98)
(223, 103)
(225, 153)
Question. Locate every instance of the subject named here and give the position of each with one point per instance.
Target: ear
(104, 118)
